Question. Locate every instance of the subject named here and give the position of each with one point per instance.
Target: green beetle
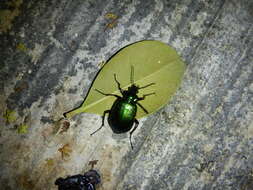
(123, 111)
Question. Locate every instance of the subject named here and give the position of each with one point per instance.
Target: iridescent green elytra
(122, 114)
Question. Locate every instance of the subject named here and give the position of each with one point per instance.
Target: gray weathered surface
(203, 139)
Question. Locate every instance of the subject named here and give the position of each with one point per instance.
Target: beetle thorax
(133, 90)
(130, 95)
(131, 99)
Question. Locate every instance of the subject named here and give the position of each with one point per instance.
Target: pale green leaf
(153, 62)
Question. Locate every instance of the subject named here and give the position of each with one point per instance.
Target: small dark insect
(123, 111)
(79, 182)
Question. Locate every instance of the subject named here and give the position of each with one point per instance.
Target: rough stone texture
(49, 54)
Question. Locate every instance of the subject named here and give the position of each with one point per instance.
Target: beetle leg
(141, 106)
(120, 89)
(103, 122)
(107, 94)
(147, 85)
(131, 132)
(144, 96)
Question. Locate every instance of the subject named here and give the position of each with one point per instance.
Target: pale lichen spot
(196, 27)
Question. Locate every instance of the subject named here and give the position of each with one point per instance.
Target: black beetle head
(133, 89)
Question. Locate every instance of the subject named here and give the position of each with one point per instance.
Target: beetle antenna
(132, 75)
(147, 85)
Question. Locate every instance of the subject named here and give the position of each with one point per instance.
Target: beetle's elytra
(123, 111)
